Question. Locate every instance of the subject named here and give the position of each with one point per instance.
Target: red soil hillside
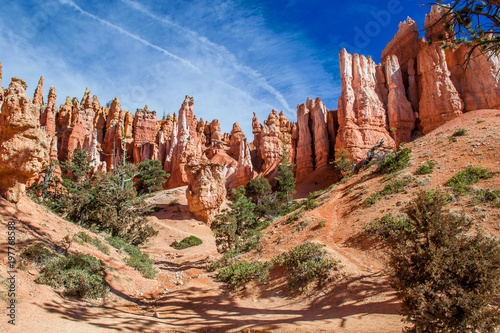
(184, 297)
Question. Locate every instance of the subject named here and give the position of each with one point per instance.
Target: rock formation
(399, 109)
(24, 147)
(237, 136)
(38, 96)
(144, 135)
(479, 85)
(434, 24)
(244, 169)
(361, 112)
(405, 45)
(48, 114)
(313, 145)
(439, 99)
(206, 190)
(184, 147)
(113, 147)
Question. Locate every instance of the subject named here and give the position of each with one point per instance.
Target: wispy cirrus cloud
(224, 53)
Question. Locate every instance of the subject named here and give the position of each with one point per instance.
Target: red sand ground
(184, 297)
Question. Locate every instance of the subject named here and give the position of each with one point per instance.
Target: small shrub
(310, 203)
(241, 272)
(94, 241)
(453, 139)
(396, 186)
(372, 199)
(302, 225)
(426, 168)
(322, 223)
(395, 162)
(343, 161)
(140, 261)
(116, 242)
(84, 237)
(173, 202)
(227, 259)
(492, 196)
(388, 227)
(188, 242)
(79, 275)
(460, 132)
(36, 253)
(461, 181)
(306, 263)
(294, 216)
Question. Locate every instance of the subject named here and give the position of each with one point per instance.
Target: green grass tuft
(460, 183)
(188, 242)
(426, 168)
(80, 275)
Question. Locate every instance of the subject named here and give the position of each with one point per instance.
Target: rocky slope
(185, 297)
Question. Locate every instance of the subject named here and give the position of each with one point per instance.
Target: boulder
(206, 190)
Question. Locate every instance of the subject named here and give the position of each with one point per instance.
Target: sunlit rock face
(362, 115)
(24, 146)
(206, 190)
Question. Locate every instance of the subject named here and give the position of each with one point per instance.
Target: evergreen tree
(150, 176)
(258, 188)
(445, 275)
(285, 178)
(234, 228)
(78, 166)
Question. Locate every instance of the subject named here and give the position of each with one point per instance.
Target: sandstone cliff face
(400, 111)
(113, 146)
(145, 131)
(313, 146)
(439, 99)
(434, 24)
(271, 137)
(24, 147)
(361, 113)
(244, 169)
(237, 136)
(184, 147)
(405, 45)
(206, 190)
(48, 114)
(38, 96)
(479, 85)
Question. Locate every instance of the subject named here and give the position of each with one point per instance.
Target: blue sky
(235, 57)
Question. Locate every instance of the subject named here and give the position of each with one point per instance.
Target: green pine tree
(235, 228)
(150, 176)
(445, 275)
